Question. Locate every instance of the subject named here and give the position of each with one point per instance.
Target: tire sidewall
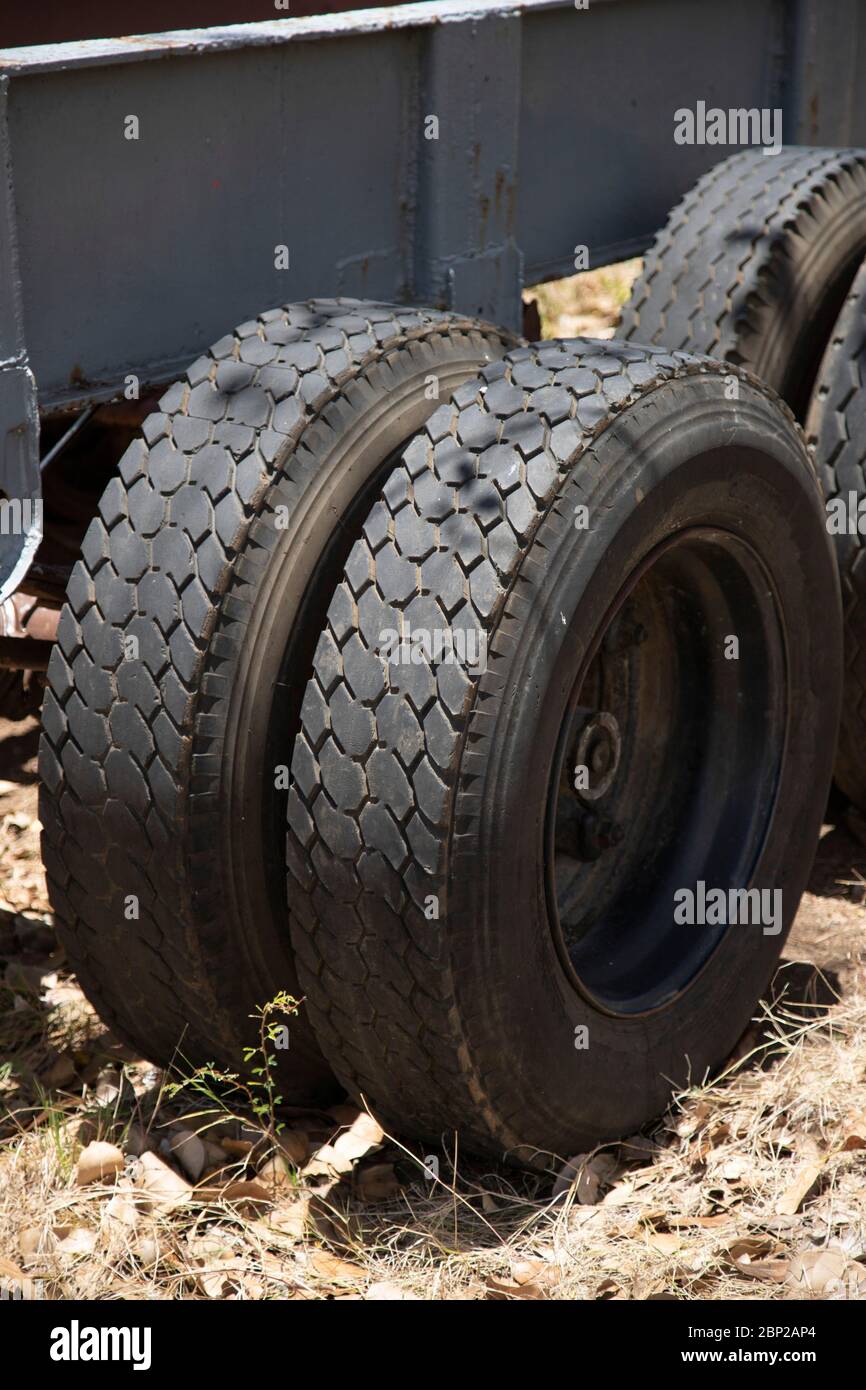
(643, 481)
(351, 447)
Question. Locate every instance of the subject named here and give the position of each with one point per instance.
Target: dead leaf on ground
(362, 1137)
(539, 1272)
(295, 1144)
(854, 1129)
(609, 1291)
(735, 1169)
(584, 1176)
(530, 1279)
(147, 1251)
(628, 1190)
(252, 1196)
(816, 1271)
(387, 1291)
(665, 1242)
(34, 1243)
(498, 1289)
(324, 1265)
(238, 1148)
(794, 1196)
(378, 1183)
(98, 1162)
(691, 1121)
(284, 1225)
(277, 1172)
(75, 1240)
(8, 1270)
(721, 1218)
(121, 1207)
(758, 1257)
(222, 1268)
(160, 1186)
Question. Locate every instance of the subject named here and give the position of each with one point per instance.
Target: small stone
(189, 1152)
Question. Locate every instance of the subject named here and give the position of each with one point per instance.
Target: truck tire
(600, 520)
(182, 654)
(836, 428)
(753, 265)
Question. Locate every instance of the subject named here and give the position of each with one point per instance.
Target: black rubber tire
(754, 263)
(217, 548)
(436, 795)
(836, 428)
(20, 695)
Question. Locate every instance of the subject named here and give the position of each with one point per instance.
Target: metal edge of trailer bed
(122, 257)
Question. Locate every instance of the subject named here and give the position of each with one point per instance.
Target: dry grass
(586, 305)
(749, 1187)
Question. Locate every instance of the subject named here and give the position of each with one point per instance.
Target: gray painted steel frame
(555, 129)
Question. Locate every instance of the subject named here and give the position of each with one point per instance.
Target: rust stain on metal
(498, 186)
(510, 206)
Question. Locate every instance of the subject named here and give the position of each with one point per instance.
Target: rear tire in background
(836, 428)
(754, 263)
(482, 946)
(182, 652)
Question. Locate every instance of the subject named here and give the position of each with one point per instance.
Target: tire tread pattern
(836, 430)
(130, 749)
(716, 269)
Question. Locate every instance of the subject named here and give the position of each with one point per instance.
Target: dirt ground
(115, 1185)
(750, 1188)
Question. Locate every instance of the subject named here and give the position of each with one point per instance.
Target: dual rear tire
(316, 595)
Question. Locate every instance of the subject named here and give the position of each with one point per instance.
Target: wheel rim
(665, 770)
